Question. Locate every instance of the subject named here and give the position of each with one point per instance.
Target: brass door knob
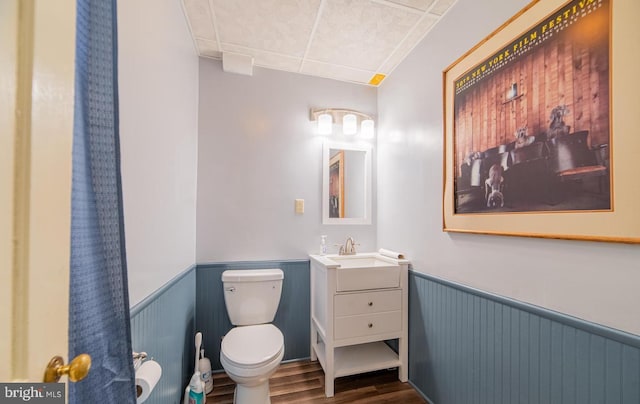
(76, 370)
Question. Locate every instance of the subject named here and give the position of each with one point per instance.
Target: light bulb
(366, 128)
(349, 124)
(325, 124)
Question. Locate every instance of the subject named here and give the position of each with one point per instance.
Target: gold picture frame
(540, 88)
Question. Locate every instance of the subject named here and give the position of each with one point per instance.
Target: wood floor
(303, 382)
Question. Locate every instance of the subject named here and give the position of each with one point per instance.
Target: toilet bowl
(252, 351)
(250, 355)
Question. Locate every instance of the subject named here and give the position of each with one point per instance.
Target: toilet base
(256, 394)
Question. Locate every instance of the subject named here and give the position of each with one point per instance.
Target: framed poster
(529, 127)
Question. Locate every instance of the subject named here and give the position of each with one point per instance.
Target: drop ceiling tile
(441, 6)
(271, 25)
(199, 16)
(267, 59)
(347, 40)
(359, 33)
(336, 72)
(417, 4)
(422, 28)
(208, 48)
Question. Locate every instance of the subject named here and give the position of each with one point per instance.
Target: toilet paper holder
(138, 358)
(147, 375)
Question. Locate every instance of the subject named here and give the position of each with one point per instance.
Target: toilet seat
(252, 346)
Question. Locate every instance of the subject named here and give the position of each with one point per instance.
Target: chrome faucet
(349, 247)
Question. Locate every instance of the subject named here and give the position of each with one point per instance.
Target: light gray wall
(257, 153)
(158, 84)
(593, 281)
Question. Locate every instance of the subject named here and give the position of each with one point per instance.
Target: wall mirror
(346, 183)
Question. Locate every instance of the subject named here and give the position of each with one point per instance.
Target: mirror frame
(326, 150)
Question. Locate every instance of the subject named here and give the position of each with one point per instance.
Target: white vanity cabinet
(351, 320)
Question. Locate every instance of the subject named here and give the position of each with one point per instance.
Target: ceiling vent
(237, 63)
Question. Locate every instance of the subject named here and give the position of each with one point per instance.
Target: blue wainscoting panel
(163, 326)
(292, 317)
(468, 346)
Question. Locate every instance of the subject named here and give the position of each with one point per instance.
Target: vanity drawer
(367, 324)
(370, 302)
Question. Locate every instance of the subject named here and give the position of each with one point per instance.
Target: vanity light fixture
(348, 117)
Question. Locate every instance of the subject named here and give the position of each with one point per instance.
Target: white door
(37, 45)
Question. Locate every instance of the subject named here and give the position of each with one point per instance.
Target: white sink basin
(361, 272)
(354, 261)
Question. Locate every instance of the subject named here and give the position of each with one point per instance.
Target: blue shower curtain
(99, 302)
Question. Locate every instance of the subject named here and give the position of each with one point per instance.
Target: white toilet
(252, 351)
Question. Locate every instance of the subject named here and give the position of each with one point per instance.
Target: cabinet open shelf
(362, 358)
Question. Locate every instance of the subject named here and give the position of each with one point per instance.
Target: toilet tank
(252, 296)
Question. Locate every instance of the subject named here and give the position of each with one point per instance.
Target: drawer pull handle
(370, 304)
(370, 325)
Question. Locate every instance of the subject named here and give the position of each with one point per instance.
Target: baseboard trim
(420, 392)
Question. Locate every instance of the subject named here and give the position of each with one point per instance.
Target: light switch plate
(299, 206)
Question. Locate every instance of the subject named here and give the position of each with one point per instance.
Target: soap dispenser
(323, 245)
